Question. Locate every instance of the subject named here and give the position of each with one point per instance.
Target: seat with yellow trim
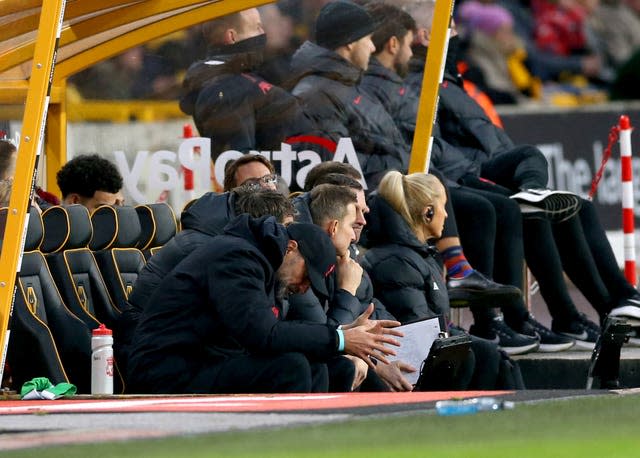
(116, 231)
(159, 225)
(47, 339)
(68, 231)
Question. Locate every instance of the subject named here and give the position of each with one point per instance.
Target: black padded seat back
(88, 286)
(115, 227)
(74, 267)
(35, 230)
(71, 334)
(32, 350)
(66, 228)
(158, 223)
(116, 232)
(128, 263)
(56, 224)
(127, 230)
(104, 222)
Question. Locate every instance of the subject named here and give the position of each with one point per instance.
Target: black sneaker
(580, 329)
(628, 309)
(506, 338)
(556, 206)
(549, 341)
(476, 289)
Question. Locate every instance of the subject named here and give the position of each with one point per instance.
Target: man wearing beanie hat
(213, 325)
(341, 23)
(556, 241)
(326, 75)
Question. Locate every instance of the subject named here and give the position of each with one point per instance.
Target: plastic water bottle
(102, 361)
(471, 406)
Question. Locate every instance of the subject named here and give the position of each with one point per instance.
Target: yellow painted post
(35, 114)
(55, 152)
(433, 72)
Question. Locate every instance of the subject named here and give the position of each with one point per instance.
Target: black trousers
(541, 254)
(578, 247)
(522, 167)
(490, 228)
(286, 373)
(588, 260)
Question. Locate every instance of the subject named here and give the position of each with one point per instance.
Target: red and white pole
(187, 174)
(628, 220)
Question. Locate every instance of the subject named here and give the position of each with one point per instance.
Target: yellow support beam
(27, 23)
(97, 24)
(55, 151)
(32, 136)
(123, 110)
(14, 92)
(433, 72)
(160, 28)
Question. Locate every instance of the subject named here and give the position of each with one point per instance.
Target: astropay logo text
(161, 167)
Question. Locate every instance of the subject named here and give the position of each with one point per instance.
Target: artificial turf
(598, 427)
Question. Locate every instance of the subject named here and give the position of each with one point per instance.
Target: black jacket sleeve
(245, 308)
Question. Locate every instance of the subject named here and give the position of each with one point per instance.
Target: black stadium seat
(47, 339)
(158, 223)
(67, 234)
(116, 231)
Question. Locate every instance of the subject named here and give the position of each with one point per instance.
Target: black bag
(509, 375)
(440, 369)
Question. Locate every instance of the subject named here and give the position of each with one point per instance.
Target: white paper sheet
(416, 343)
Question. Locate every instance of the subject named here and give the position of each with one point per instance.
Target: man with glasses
(250, 168)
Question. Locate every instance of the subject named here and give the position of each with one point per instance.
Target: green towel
(42, 388)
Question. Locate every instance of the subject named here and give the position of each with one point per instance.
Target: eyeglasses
(271, 179)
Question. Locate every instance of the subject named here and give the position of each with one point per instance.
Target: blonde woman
(406, 212)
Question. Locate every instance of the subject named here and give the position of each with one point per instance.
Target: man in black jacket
(476, 216)
(345, 306)
(213, 325)
(327, 73)
(574, 244)
(201, 222)
(231, 103)
(471, 148)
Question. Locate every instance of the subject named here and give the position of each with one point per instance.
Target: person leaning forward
(213, 325)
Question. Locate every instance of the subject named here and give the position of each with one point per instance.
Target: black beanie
(340, 23)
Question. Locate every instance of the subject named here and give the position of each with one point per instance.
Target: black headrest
(34, 229)
(158, 224)
(65, 228)
(114, 227)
